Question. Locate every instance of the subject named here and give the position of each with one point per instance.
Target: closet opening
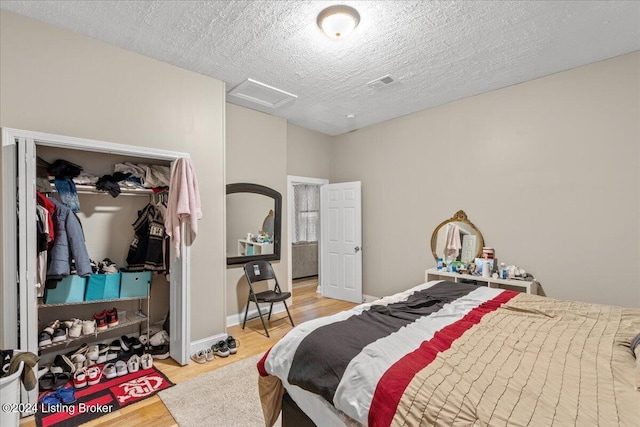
(113, 246)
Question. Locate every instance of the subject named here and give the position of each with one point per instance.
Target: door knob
(357, 249)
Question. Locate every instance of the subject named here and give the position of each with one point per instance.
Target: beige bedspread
(534, 361)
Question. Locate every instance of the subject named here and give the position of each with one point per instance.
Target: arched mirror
(254, 218)
(457, 238)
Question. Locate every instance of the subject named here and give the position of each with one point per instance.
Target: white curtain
(306, 200)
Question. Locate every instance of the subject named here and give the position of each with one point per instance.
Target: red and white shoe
(112, 317)
(80, 379)
(94, 374)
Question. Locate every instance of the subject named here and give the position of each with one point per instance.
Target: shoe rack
(139, 317)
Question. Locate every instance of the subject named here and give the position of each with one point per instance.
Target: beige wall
(308, 153)
(257, 154)
(549, 171)
(55, 81)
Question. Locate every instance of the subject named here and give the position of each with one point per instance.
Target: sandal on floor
(66, 395)
(50, 399)
(199, 357)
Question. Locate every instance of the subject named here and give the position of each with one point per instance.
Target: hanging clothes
(51, 208)
(68, 245)
(146, 250)
(44, 241)
(184, 202)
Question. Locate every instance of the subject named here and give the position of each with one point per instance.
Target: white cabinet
(530, 287)
(247, 247)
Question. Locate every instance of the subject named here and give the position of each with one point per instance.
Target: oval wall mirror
(457, 238)
(254, 217)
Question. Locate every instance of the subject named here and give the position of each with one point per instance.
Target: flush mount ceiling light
(338, 21)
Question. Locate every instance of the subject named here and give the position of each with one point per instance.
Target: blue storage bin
(103, 286)
(69, 289)
(135, 284)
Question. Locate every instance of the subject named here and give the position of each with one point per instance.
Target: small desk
(530, 287)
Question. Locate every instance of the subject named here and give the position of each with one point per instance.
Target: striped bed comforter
(458, 354)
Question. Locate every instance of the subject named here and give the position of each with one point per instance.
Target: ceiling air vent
(381, 82)
(260, 93)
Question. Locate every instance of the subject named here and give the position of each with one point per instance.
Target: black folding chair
(257, 271)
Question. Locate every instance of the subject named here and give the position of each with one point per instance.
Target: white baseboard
(236, 319)
(369, 298)
(205, 343)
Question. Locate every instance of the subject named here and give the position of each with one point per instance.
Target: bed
(447, 353)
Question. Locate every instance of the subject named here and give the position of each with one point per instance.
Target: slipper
(50, 400)
(199, 357)
(66, 395)
(46, 381)
(60, 380)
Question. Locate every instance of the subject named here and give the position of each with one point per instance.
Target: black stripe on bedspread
(322, 356)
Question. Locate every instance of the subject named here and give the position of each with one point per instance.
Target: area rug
(226, 397)
(103, 398)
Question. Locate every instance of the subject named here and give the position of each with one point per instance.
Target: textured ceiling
(437, 51)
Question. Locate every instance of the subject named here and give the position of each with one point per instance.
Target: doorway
(303, 230)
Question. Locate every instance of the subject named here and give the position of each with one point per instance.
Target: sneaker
(121, 368)
(159, 352)
(115, 345)
(110, 371)
(75, 330)
(59, 334)
(112, 317)
(199, 357)
(133, 364)
(101, 321)
(209, 354)
(51, 328)
(93, 353)
(131, 345)
(220, 349)
(107, 267)
(233, 344)
(146, 361)
(88, 327)
(79, 361)
(93, 375)
(44, 339)
(160, 338)
(80, 379)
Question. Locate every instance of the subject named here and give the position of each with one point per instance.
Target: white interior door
(341, 243)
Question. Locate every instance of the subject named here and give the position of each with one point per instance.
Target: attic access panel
(263, 94)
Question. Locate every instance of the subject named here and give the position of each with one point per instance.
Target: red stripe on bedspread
(396, 379)
(261, 369)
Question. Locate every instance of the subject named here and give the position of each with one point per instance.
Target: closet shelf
(43, 305)
(91, 189)
(122, 323)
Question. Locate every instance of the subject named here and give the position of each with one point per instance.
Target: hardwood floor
(307, 305)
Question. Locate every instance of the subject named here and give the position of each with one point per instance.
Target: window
(307, 212)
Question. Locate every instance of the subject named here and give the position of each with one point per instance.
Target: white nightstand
(530, 287)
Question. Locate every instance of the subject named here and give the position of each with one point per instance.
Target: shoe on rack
(133, 364)
(115, 345)
(146, 361)
(75, 330)
(80, 379)
(88, 327)
(121, 368)
(112, 317)
(159, 351)
(220, 349)
(233, 344)
(67, 324)
(101, 321)
(44, 339)
(62, 364)
(131, 345)
(59, 334)
(93, 375)
(108, 267)
(79, 361)
(93, 352)
(160, 338)
(110, 371)
(51, 328)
